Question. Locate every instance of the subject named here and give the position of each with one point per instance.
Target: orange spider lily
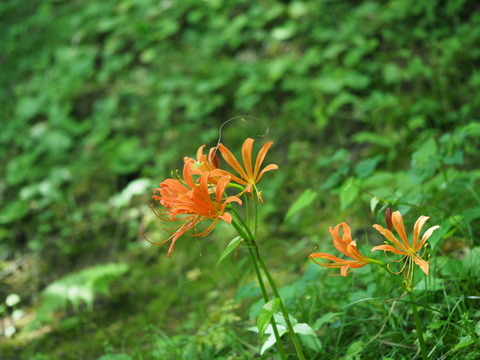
(204, 163)
(403, 246)
(191, 203)
(249, 175)
(346, 246)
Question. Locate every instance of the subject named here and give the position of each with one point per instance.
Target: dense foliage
(370, 104)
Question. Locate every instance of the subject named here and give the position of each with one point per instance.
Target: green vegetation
(370, 104)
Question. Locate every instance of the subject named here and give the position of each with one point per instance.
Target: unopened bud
(388, 219)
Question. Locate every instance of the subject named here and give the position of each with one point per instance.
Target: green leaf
(471, 262)
(271, 341)
(349, 193)
(308, 336)
(304, 200)
(354, 349)
(325, 319)
(248, 291)
(12, 211)
(373, 203)
(366, 167)
(266, 315)
(303, 329)
(447, 228)
(230, 247)
(79, 287)
(464, 341)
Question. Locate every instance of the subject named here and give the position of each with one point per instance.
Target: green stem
(296, 342)
(265, 298)
(418, 324)
(273, 285)
(281, 349)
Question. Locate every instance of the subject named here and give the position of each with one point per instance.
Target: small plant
(78, 288)
(201, 195)
(409, 251)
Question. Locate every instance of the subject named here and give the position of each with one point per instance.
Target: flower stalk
(271, 281)
(418, 325)
(253, 248)
(253, 258)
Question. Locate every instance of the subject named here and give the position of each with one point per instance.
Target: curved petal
(187, 226)
(326, 256)
(389, 236)
(247, 157)
(389, 248)
(344, 270)
(346, 233)
(226, 217)
(422, 263)
(418, 228)
(188, 176)
(221, 186)
(399, 227)
(261, 156)
(200, 152)
(231, 160)
(337, 241)
(427, 234)
(352, 251)
(233, 199)
(265, 169)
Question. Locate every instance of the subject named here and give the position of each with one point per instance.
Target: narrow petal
(337, 241)
(261, 156)
(418, 228)
(326, 256)
(389, 248)
(247, 157)
(265, 169)
(344, 270)
(346, 233)
(187, 226)
(226, 217)
(221, 185)
(231, 160)
(422, 263)
(427, 234)
(399, 227)
(389, 236)
(187, 176)
(200, 152)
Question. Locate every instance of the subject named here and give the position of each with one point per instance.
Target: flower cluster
(410, 251)
(200, 195)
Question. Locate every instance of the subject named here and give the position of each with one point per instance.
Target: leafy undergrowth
(187, 308)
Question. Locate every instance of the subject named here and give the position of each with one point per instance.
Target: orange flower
(346, 246)
(403, 246)
(204, 163)
(249, 175)
(192, 203)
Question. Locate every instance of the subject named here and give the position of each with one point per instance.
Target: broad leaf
(266, 315)
(230, 247)
(304, 200)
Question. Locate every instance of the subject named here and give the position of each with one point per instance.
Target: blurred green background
(369, 103)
